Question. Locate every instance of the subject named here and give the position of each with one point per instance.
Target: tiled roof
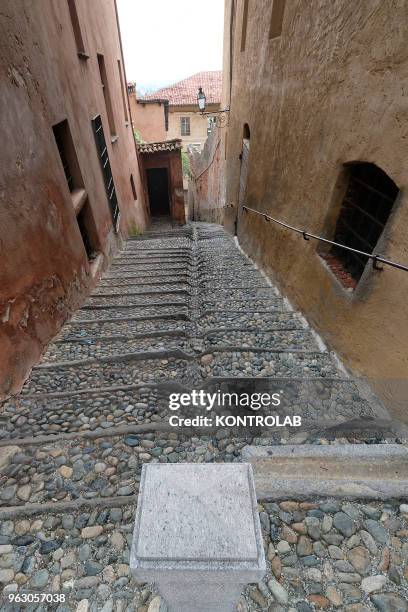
(154, 147)
(185, 92)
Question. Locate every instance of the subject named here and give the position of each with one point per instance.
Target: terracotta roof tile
(185, 92)
(154, 147)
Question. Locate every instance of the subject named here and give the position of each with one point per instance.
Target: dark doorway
(158, 186)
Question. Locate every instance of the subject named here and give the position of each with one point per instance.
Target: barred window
(185, 126)
(365, 209)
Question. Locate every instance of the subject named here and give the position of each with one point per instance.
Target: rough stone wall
(331, 89)
(206, 196)
(44, 271)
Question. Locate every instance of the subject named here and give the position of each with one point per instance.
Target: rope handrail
(375, 257)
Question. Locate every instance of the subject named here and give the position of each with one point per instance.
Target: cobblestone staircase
(178, 309)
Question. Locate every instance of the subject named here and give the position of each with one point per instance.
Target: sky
(165, 41)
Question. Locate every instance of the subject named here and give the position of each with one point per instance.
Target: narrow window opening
(79, 41)
(365, 209)
(244, 25)
(124, 97)
(67, 153)
(132, 184)
(88, 233)
(185, 126)
(79, 198)
(278, 9)
(107, 96)
(103, 155)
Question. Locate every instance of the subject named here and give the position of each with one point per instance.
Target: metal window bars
(375, 257)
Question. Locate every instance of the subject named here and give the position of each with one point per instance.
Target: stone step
(100, 346)
(232, 282)
(253, 321)
(135, 290)
(122, 312)
(255, 293)
(294, 339)
(104, 467)
(143, 279)
(24, 417)
(275, 304)
(133, 300)
(252, 363)
(147, 285)
(130, 369)
(142, 258)
(243, 272)
(133, 249)
(163, 245)
(128, 326)
(145, 269)
(240, 291)
(220, 265)
(164, 241)
(330, 407)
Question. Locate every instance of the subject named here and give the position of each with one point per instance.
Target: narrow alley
(178, 309)
(203, 306)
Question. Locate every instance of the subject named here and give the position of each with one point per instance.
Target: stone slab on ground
(362, 471)
(197, 534)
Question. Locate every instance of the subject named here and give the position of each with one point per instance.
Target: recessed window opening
(67, 153)
(106, 95)
(244, 25)
(366, 207)
(79, 41)
(103, 155)
(132, 184)
(122, 88)
(185, 126)
(278, 9)
(86, 227)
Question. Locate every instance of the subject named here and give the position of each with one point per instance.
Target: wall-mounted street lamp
(220, 118)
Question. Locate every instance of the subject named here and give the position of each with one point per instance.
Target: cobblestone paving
(180, 309)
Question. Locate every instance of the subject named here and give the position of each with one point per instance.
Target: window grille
(364, 212)
(106, 169)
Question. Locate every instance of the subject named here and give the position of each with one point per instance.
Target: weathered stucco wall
(148, 119)
(331, 89)
(44, 271)
(206, 196)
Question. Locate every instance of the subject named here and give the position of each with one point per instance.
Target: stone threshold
(350, 471)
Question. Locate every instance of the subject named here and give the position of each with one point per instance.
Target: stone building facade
(206, 200)
(317, 138)
(150, 118)
(70, 181)
(174, 109)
